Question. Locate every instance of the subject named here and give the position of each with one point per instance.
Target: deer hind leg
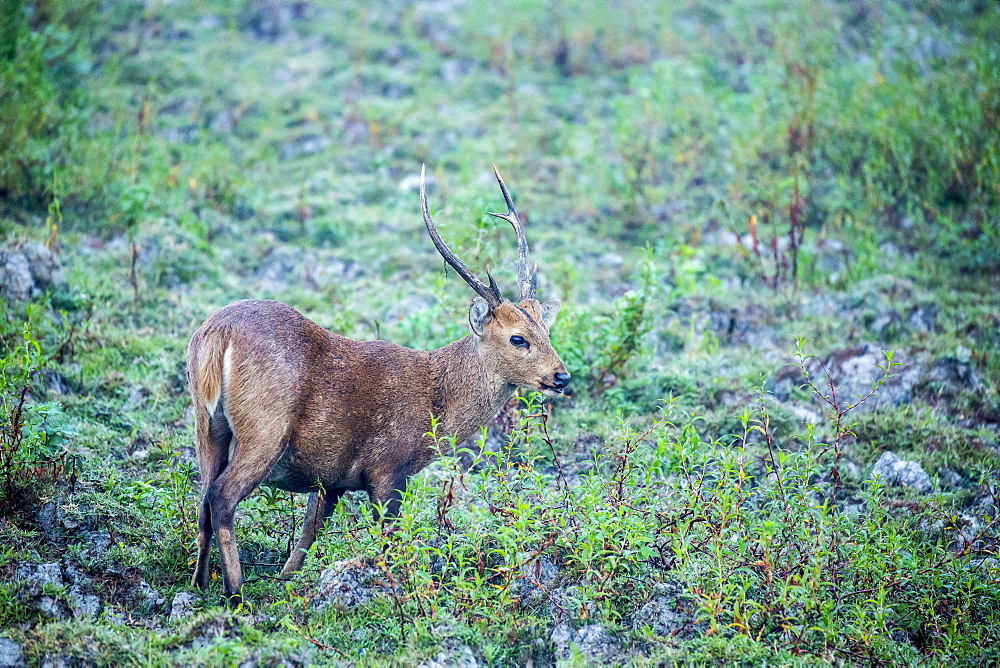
(212, 440)
(321, 506)
(256, 454)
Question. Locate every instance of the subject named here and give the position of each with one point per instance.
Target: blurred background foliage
(642, 123)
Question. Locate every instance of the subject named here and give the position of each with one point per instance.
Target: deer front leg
(387, 493)
(321, 506)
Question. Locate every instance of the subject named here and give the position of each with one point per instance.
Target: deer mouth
(550, 390)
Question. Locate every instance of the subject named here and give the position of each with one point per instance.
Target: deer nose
(560, 380)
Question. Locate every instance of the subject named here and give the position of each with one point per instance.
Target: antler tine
(525, 282)
(492, 293)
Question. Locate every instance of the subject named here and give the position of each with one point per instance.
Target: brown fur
(280, 400)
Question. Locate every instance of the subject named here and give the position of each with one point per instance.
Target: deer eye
(518, 341)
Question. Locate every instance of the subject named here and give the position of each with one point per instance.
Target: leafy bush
(602, 348)
(32, 438)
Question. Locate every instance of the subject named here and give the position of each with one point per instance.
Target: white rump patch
(212, 403)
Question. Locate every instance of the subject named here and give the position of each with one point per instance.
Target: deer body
(282, 401)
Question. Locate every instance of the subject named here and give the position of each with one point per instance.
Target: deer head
(513, 339)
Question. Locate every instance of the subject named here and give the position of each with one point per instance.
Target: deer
(281, 401)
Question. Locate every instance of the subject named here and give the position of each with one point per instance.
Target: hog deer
(282, 401)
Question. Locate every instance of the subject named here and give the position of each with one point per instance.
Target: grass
(702, 186)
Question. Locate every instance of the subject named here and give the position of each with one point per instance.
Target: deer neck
(466, 393)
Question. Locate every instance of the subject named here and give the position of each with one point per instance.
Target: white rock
(892, 470)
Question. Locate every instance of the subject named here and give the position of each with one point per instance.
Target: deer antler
(526, 282)
(490, 293)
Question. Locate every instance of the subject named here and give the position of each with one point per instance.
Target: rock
(208, 631)
(804, 414)
(145, 598)
(454, 655)
(270, 21)
(49, 574)
(182, 606)
(591, 641)
(950, 373)
(922, 318)
(284, 265)
(97, 543)
(610, 260)
(84, 606)
(39, 579)
(901, 473)
(136, 397)
(667, 614)
(307, 144)
(535, 575)
(349, 584)
(10, 654)
(746, 325)
(949, 478)
(209, 22)
(113, 616)
(15, 276)
(60, 661)
(49, 517)
(53, 608)
(27, 270)
(55, 382)
(853, 371)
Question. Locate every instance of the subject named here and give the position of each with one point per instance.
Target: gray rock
(268, 21)
(349, 584)
(208, 631)
(666, 613)
(136, 398)
(113, 616)
(84, 606)
(854, 371)
(897, 472)
(535, 575)
(454, 655)
(283, 266)
(49, 517)
(922, 318)
(951, 373)
(209, 22)
(10, 654)
(591, 642)
(27, 270)
(146, 598)
(307, 144)
(949, 478)
(58, 661)
(182, 606)
(15, 276)
(49, 574)
(53, 608)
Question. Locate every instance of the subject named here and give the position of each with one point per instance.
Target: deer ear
(479, 315)
(550, 309)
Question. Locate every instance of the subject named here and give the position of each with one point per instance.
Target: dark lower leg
(386, 499)
(200, 577)
(321, 506)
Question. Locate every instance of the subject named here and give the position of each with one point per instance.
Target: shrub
(32, 439)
